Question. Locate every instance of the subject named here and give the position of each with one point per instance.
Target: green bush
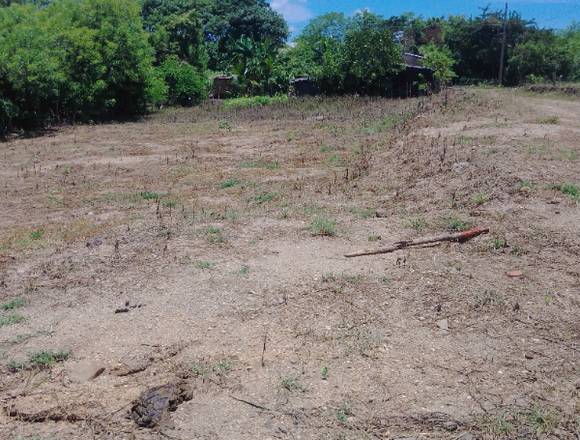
(185, 85)
(73, 60)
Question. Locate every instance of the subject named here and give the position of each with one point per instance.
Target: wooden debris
(460, 237)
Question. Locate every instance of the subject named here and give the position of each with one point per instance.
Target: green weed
(13, 304)
(214, 235)
(321, 226)
(244, 271)
(343, 413)
(548, 120)
(37, 234)
(268, 165)
(455, 224)
(11, 319)
(46, 359)
(150, 195)
(265, 197)
(499, 243)
(291, 383)
(324, 373)
(571, 190)
(480, 199)
(254, 101)
(204, 265)
(229, 183)
(416, 223)
(374, 238)
(364, 213)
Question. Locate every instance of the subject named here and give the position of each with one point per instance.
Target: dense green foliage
(87, 58)
(93, 59)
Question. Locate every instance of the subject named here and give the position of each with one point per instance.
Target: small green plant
(336, 160)
(171, 204)
(200, 370)
(16, 366)
(343, 413)
(223, 367)
(37, 234)
(364, 213)
(11, 319)
(229, 183)
(231, 215)
(327, 149)
(225, 125)
(265, 197)
(543, 421)
(455, 224)
(549, 120)
(499, 243)
(214, 235)
(374, 238)
(291, 383)
(324, 373)
(480, 199)
(268, 165)
(571, 190)
(244, 271)
(46, 359)
(321, 226)
(204, 265)
(417, 223)
(500, 424)
(328, 277)
(149, 195)
(525, 186)
(13, 304)
(254, 101)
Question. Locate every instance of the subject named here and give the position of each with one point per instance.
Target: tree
(225, 22)
(476, 42)
(571, 44)
(176, 28)
(73, 59)
(542, 56)
(370, 55)
(440, 60)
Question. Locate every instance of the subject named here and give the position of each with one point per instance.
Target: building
(415, 79)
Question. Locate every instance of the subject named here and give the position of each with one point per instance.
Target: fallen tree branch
(459, 236)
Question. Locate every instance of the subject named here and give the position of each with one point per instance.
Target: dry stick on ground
(460, 236)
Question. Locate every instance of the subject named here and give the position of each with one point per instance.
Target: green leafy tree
(571, 44)
(370, 55)
(440, 59)
(185, 85)
(176, 28)
(74, 60)
(543, 56)
(225, 22)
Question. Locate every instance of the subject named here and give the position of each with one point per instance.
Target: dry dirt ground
(205, 246)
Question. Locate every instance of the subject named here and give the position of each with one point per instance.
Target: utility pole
(503, 45)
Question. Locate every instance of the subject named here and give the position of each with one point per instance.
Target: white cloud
(294, 11)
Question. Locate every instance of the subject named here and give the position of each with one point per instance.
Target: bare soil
(205, 247)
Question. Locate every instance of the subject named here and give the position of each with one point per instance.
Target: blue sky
(547, 13)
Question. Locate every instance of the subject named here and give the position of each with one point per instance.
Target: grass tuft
(571, 190)
(11, 319)
(13, 304)
(324, 227)
(229, 183)
(254, 101)
(150, 195)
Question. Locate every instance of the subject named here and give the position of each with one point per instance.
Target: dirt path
(201, 229)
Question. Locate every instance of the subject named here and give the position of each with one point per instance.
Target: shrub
(73, 60)
(185, 85)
